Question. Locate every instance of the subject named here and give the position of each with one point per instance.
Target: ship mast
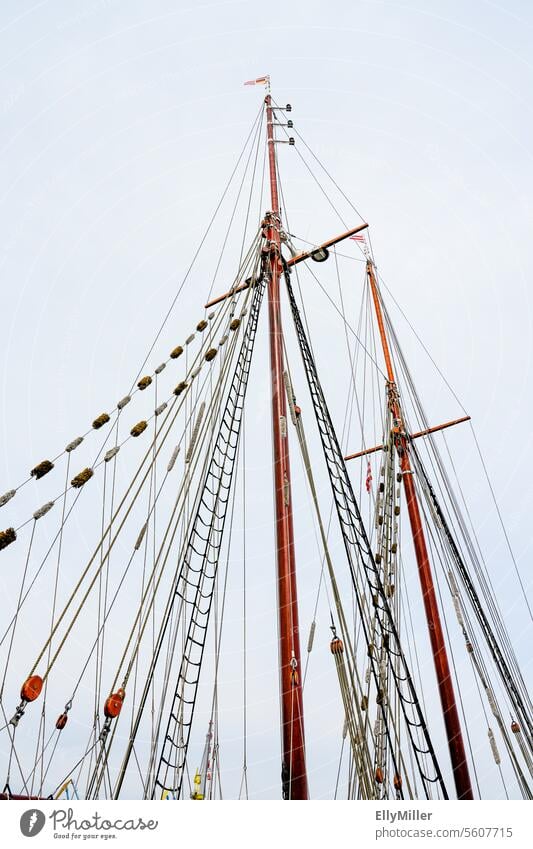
(442, 667)
(294, 777)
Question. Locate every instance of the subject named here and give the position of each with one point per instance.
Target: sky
(120, 124)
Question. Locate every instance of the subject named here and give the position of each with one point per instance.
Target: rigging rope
(214, 498)
(362, 563)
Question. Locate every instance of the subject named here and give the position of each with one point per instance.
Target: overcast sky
(120, 123)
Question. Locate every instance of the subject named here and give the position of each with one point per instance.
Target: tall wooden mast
(442, 667)
(294, 777)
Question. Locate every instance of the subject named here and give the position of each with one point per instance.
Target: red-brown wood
(452, 724)
(416, 435)
(6, 797)
(294, 260)
(290, 262)
(293, 768)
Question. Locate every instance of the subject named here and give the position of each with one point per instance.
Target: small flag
(368, 477)
(259, 80)
(358, 237)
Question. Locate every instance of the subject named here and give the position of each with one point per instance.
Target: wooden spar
(416, 435)
(294, 776)
(452, 724)
(292, 261)
(240, 288)
(334, 241)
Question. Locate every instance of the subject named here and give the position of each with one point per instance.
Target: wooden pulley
(31, 689)
(336, 646)
(61, 721)
(113, 705)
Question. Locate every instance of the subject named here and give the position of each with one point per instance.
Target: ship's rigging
(140, 624)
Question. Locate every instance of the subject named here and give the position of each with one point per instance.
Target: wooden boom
(292, 261)
(416, 435)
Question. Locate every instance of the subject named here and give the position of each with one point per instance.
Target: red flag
(368, 477)
(357, 238)
(259, 80)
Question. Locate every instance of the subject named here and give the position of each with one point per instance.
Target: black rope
(358, 551)
(217, 483)
(505, 673)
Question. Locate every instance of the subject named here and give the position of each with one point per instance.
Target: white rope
(494, 747)
(42, 511)
(173, 458)
(7, 496)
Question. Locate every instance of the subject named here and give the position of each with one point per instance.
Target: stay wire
(201, 244)
(478, 448)
(485, 582)
(254, 146)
